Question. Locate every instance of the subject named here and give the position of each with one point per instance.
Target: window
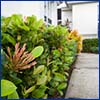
(59, 14)
(49, 21)
(45, 18)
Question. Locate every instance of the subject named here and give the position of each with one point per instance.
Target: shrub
(90, 45)
(74, 35)
(15, 29)
(48, 77)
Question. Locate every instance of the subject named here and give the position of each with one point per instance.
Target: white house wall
(54, 13)
(25, 8)
(85, 18)
(28, 8)
(51, 11)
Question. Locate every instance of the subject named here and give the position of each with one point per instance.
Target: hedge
(36, 58)
(90, 45)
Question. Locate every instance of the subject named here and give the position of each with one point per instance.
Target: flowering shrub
(74, 35)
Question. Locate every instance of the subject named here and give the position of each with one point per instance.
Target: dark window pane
(49, 21)
(45, 18)
(59, 14)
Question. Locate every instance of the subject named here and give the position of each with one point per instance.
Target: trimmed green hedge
(90, 45)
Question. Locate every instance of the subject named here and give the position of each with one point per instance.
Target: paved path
(84, 82)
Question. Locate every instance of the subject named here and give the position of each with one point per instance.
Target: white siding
(51, 11)
(54, 13)
(25, 8)
(28, 8)
(85, 18)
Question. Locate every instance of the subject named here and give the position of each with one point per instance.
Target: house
(82, 15)
(47, 10)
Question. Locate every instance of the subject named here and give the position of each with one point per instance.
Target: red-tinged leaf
(16, 46)
(9, 53)
(21, 59)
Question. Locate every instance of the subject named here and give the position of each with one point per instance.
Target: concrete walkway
(84, 82)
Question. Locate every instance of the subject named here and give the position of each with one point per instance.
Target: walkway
(84, 82)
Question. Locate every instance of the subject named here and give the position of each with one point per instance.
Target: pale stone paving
(84, 82)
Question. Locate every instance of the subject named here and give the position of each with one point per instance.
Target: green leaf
(39, 23)
(52, 91)
(7, 87)
(45, 96)
(24, 27)
(37, 51)
(62, 86)
(9, 38)
(54, 84)
(54, 68)
(15, 79)
(18, 21)
(56, 53)
(49, 76)
(41, 80)
(3, 57)
(44, 72)
(30, 90)
(39, 69)
(66, 73)
(61, 93)
(31, 21)
(14, 95)
(66, 66)
(40, 92)
(59, 77)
